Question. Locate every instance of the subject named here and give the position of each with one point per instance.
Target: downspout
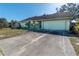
(43, 24)
(65, 25)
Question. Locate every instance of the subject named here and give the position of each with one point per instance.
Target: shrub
(14, 25)
(77, 27)
(3, 23)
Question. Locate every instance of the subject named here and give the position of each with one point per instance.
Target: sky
(20, 11)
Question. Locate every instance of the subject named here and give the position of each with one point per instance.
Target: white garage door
(56, 25)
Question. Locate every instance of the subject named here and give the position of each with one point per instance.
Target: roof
(55, 16)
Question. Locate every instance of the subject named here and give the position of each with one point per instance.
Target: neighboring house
(56, 21)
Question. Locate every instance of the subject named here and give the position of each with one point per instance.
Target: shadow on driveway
(62, 33)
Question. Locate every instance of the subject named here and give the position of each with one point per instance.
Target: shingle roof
(59, 15)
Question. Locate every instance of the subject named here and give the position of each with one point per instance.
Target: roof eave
(51, 19)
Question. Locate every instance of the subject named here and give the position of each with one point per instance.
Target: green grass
(7, 32)
(76, 47)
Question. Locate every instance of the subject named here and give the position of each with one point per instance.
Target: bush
(3, 23)
(77, 27)
(14, 25)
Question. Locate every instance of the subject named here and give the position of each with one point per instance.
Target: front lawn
(75, 42)
(7, 32)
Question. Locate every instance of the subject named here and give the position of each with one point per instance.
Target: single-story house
(56, 21)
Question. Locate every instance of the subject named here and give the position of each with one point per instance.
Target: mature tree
(63, 8)
(3, 23)
(70, 7)
(73, 8)
(57, 9)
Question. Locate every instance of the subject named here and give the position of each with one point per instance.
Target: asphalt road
(37, 44)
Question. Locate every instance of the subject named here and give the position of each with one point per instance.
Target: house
(53, 22)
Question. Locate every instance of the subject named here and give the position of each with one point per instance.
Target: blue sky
(20, 11)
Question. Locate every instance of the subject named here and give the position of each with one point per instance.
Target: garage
(56, 25)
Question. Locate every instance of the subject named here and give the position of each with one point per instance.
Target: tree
(15, 24)
(74, 9)
(57, 9)
(12, 24)
(3, 23)
(70, 7)
(63, 8)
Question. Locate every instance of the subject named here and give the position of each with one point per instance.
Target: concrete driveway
(37, 44)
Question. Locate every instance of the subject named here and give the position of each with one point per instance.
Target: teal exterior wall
(47, 25)
(56, 25)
